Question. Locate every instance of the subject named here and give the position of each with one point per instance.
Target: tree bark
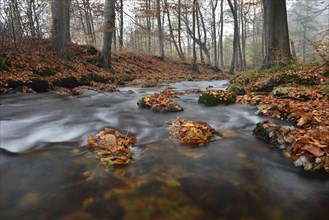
(108, 29)
(121, 26)
(194, 66)
(61, 27)
(277, 49)
(214, 37)
(160, 34)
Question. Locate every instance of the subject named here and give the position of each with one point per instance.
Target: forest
(162, 109)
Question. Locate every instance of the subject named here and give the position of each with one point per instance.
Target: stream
(47, 171)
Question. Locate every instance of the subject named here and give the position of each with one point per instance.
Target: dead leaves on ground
(192, 132)
(112, 147)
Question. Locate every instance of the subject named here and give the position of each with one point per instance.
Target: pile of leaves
(112, 147)
(159, 103)
(306, 148)
(217, 97)
(192, 132)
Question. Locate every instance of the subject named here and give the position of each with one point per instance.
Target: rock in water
(217, 97)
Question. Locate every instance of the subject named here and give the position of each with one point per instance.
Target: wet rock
(14, 83)
(24, 89)
(217, 97)
(68, 82)
(39, 85)
(267, 131)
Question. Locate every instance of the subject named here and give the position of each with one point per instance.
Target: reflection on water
(47, 172)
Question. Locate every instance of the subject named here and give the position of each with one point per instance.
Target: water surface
(48, 173)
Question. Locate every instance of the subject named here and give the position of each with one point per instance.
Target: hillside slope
(33, 64)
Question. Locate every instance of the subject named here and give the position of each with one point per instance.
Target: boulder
(267, 131)
(217, 97)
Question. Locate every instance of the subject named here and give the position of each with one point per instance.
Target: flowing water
(48, 173)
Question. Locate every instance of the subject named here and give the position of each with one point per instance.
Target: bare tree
(61, 27)
(108, 29)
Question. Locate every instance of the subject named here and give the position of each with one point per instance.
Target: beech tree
(277, 48)
(108, 29)
(61, 27)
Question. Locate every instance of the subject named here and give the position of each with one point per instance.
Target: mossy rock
(237, 88)
(39, 85)
(68, 82)
(217, 97)
(95, 78)
(278, 80)
(281, 91)
(267, 131)
(48, 71)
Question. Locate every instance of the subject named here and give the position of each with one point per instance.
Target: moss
(237, 88)
(5, 65)
(48, 71)
(324, 90)
(281, 90)
(212, 98)
(95, 78)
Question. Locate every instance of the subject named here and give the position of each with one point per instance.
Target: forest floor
(296, 93)
(32, 65)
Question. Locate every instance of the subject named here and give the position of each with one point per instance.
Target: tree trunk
(179, 30)
(277, 49)
(214, 37)
(61, 27)
(194, 66)
(173, 40)
(160, 34)
(121, 25)
(236, 36)
(108, 29)
(221, 33)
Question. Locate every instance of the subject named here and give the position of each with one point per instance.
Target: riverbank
(32, 66)
(297, 94)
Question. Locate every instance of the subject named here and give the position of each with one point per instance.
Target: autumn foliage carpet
(34, 59)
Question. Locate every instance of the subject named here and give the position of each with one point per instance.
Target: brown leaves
(217, 97)
(309, 148)
(112, 147)
(159, 103)
(192, 132)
